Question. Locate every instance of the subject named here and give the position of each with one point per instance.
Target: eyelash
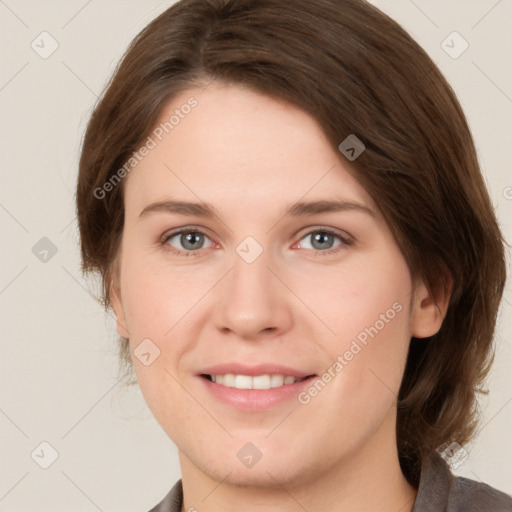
(346, 241)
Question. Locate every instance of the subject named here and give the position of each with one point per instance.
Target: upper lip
(253, 370)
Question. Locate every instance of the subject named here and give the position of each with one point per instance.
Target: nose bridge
(253, 299)
(250, 272)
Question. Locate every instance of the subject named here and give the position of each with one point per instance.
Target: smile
(231, 380)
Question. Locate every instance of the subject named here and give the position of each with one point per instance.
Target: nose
(253, 301)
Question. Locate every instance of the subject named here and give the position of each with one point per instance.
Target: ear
(429, 307)
(115, 299)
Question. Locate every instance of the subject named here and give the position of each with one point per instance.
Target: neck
(369, 480)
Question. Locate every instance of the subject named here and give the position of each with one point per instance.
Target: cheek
(162, 304)
(155, 296)
(367, 297)
(367, 311)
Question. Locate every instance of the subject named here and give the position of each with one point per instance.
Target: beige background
(58, 373)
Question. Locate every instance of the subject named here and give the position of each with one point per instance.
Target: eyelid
(184, 229)
(328, 229)
(345, 239)
(178, 231)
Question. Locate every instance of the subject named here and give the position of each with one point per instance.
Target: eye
(324, 241)
(186, 241)
(189, 241)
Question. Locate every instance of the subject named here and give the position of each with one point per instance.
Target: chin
(274, 469)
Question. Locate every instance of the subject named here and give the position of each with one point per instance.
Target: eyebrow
(300, 209)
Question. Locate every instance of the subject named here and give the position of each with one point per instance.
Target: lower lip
(255, 400)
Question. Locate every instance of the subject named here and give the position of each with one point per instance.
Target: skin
(252, 157)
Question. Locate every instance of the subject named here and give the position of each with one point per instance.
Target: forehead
(239, 145)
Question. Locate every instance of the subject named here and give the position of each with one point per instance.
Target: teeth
(258, 382)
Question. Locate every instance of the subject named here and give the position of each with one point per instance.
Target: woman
(285, 205)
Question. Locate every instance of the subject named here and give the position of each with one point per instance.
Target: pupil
(189, 239)
(322, 238)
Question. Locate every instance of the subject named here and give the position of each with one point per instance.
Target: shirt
(438, 491)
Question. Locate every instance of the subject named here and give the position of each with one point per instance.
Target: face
(250, 253)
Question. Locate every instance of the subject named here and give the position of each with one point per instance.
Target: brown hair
(356, 71)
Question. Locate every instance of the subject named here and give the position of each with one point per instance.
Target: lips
(254, 370)
(254, 400)
(254, 388)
